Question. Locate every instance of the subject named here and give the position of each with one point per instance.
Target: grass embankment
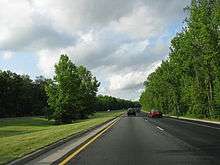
(19, 136)
(143, 110)
(217, 119)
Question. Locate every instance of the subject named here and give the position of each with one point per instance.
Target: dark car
(154, 113)
(138, 110)
(131, 111)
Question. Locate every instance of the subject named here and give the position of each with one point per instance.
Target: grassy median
(19, 136)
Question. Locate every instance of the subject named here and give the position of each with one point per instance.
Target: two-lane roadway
(140, 140)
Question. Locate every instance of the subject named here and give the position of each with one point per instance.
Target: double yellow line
(72, 155)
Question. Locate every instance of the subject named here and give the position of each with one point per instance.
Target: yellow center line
(66, 160)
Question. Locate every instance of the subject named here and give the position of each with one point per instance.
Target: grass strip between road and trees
(20, 136)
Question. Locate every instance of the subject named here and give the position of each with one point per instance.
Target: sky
(120, 41)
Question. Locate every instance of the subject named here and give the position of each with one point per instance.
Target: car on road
(138, 110)
(154, 113)
(131, 111)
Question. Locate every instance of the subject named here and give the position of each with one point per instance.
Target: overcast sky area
(120, 41)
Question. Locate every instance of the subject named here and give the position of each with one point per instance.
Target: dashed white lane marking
(160, 128)
(188, 122)
(157, 127)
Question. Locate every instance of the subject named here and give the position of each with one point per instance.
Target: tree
(63, 91)
(21, 96)
(105, 103)
(72, 92)
(88, 89)
(40, 96)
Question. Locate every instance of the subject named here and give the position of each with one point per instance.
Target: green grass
(144, 110)
(20, 136)
(203, 118)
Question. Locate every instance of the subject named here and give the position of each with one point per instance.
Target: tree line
(71, 94)
(21, 96)
(188, 82)
(112, 103)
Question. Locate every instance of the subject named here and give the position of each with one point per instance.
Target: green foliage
(88, 89)
(188, 82)
(63, 91)
(72, 92)
(21, 96)
(105, 103)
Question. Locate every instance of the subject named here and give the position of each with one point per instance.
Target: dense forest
(70, 95)
(112, 103)
(188, 82)
(21, 96)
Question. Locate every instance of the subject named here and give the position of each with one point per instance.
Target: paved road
(137, 140)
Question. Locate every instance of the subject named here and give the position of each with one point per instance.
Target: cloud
(7, 55)
(126, 81)
(140, 23)
(30, 31)
(131, 79)
(119, 41)
(47, 60)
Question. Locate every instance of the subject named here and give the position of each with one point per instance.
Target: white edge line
(192, 119)
(160, 128)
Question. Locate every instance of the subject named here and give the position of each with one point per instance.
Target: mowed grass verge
(20, 136)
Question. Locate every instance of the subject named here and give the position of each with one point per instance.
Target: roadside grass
(20, 136)
(216, 118)
(144, 110)
(191, 116)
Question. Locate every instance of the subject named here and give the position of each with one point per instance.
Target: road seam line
(67, 159)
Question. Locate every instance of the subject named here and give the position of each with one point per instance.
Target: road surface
(138, 141)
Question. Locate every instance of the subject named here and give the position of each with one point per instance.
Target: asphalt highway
(146, 141)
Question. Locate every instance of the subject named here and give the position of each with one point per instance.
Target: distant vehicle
(138, 110)
(154, 113)
(131, 111)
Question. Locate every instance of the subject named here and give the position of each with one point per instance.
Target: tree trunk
(210, 96)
